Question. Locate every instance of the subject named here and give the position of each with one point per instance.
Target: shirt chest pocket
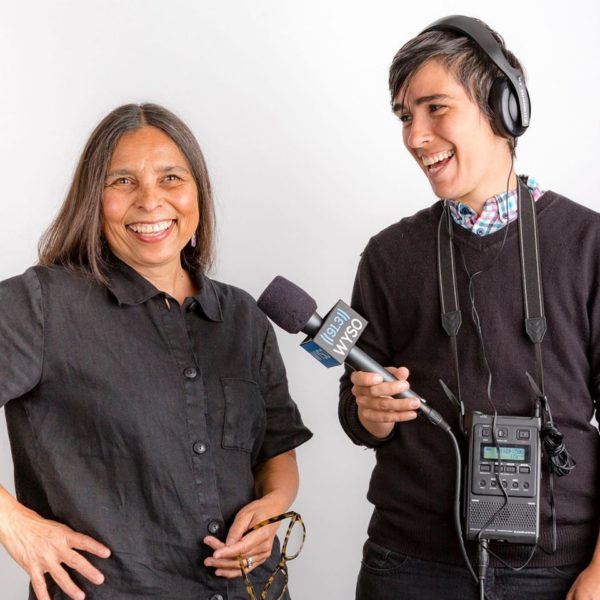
(245, 415)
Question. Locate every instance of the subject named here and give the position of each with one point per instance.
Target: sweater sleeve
(21, 335)
(370, 299)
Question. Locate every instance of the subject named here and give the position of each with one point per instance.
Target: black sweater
(396, 289)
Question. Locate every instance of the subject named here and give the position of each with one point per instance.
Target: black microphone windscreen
(287, 304)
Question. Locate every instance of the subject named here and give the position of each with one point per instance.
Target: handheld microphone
(290, 307)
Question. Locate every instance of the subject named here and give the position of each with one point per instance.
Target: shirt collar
(130, 288)
(496, 212)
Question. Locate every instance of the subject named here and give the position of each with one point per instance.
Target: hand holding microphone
(385, 398)
(379, 406)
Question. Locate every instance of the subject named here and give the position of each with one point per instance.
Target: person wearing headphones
(461, 98)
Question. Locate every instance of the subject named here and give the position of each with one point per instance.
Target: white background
(289, 102)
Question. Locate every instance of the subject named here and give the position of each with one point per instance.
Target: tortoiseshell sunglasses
(281, 568)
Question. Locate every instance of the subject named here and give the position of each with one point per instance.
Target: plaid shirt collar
(493, 215)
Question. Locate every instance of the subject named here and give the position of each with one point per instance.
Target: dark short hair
(463, 57)
(75, 239)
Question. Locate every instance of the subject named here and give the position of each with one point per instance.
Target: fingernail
(415, 403)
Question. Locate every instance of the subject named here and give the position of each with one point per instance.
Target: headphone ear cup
(505, 108)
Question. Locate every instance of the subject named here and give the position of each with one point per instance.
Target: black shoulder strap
(451, 317)
(535, 321)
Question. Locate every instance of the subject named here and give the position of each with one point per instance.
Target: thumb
(401, 373)
(238, 527)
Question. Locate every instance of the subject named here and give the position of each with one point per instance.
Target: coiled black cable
(560, 461)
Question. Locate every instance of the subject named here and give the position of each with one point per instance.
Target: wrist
(278, 501)
(595, 562)
(9, 509)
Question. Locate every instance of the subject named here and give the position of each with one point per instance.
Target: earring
(194, 240)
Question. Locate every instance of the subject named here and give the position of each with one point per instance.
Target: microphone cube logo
(342, 326)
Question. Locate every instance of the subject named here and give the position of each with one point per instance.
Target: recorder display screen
(511, 453)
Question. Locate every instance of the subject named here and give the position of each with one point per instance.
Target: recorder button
(523, 434)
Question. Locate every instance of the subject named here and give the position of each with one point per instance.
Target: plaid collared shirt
(493, 215)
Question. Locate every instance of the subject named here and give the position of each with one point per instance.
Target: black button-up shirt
(139, 421)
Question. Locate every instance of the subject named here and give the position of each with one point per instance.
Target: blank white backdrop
(289, 102)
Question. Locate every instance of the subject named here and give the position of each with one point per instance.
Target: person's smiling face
(150, 201)
(451, 138)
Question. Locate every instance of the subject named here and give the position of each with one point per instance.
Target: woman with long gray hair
(147, 405)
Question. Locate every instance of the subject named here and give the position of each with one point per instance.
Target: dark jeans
(387, 575)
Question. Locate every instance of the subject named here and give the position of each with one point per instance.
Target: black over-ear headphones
(509, 98)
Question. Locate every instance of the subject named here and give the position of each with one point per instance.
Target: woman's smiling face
(150, 202)
(451, 138)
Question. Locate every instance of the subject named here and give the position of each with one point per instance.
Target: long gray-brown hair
(75, 240)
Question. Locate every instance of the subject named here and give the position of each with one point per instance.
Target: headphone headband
(475, 30)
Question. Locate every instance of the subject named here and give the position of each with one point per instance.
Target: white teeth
(431, 160)
(150, 227)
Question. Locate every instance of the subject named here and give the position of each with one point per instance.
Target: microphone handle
(361, 361)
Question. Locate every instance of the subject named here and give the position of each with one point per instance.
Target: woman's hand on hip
(378, 411)
(42, 546)
(587, 584)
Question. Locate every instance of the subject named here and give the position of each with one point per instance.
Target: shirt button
(216, 597)
(214, 527)
(190, 372)
(199, 447)
(192, 306)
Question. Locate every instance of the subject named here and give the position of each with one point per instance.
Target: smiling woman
(150, 207)
(107, 171)
(147, 405)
